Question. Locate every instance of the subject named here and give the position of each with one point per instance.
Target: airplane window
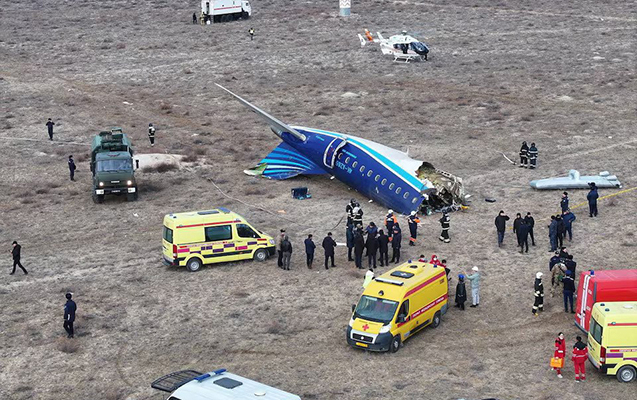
(377, 178)
(406, 195)
(398, 190)
(362, 168)
(414, 200)
(354, 164)
(383, 182)
(340, 155)
(370, 173)
(391, 186)
(347, 160)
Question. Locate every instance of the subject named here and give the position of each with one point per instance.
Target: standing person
(553, 233)
(151, 134)
(309, 250)
(516, 223)
(560, 352)
(592, 197)
(383, 248)
(390, 221)
(539, 294)
(569, 289)
(359, 246)
(568, 217)
(251, 32)
(371, 230)
(561, 230)
(349, 238)
(445, 223)
(523, 236)
(357, 216)
(286, 249)
(570, 265)
(475, 287)
(556, 259)
(49, 124)
(194, 18)
(524, 155)
(443, 263)
(349, 210)
(412, 222)
(461, 292)
(531, 223)
(533, 156)
(72, 168)
(15, 252)
(395, 244)
(369, 277)
(500, 226)
(278, 247)
(69, 315)
(371, 245)
(580, 355)
(328, 245)
(564, 201)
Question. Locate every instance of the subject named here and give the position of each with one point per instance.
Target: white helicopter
(403, 48)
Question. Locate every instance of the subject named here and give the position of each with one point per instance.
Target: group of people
(284, 250)
(578, 357)
(461, 290)
(522, 227)
(562, 269)
(528, 156)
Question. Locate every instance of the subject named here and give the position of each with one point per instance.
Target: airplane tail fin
(285, 162)
(363, 42)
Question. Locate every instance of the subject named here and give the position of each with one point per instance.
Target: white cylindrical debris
(346, 6)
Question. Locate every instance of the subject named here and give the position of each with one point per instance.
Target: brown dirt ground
(560, 74)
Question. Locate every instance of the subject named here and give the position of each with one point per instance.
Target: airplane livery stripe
(288, 158)
(411, 180)
(292, 154)
(283, 163)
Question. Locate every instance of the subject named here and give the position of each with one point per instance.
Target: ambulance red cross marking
(365, 327)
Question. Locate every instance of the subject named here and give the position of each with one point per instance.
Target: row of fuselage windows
(377, 178)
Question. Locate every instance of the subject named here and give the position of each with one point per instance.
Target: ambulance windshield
(375, 309)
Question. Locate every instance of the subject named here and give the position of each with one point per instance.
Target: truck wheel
(131, 196)
(436, 320)
(626, 374)
(395, 344)
(224, 18)
(260, 255)
(245, 15)
(98, 198)
(194, 264)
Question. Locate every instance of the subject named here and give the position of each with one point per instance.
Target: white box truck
(225, 10)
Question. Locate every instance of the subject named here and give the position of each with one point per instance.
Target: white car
(216, 385)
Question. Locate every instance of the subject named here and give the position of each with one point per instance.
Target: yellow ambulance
(195, 238)
(612, 339)
(397, 304)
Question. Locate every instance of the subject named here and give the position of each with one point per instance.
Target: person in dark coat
(569, 289)
(309, 250)
(461, 292)
(15, 252)
(359, 246)
(390, 221)
(349, 237)
(563, 253)
(564, 201)
(516, 223)
(278, 250)
(395, 244)
(531, 223)
(383, 248)
(571, 265)
(286, 249)
(553, 233)
(538, 288)
(533, 156)
(49, 126)
(556, 259)
(523, 236)
(592, 197)
(524, 156)
(72, 168)
(561, 230)
(328, 245)
(568, 217)
(371, 244)
(194, 18)
(500, 226)
(69, 315)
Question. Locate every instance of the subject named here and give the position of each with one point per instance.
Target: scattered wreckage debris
(575, 181)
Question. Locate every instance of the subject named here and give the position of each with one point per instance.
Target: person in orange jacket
(580, 354)
(560, 351)
(413, 222)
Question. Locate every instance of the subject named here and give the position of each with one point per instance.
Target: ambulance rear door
(585, 296)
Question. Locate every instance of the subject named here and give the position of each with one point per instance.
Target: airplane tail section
(285, 162)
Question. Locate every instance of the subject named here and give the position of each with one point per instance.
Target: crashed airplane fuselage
(385, 175)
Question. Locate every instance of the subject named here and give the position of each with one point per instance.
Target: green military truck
(112, 166)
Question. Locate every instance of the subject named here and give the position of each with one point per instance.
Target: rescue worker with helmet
(445, 223)
(524, 155)
(539, 294)
(413, 222)
(390, 221)
(533, 156)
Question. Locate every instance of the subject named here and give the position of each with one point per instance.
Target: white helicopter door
(329, 157)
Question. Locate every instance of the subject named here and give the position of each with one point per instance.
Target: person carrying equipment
(560, 352)
(413, 222)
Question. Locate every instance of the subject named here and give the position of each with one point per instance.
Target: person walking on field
(309, 250)
(445, 224)
(49, 126)
(286, 250)
(530, 221)
(564, 202)
(328, 245)
(516, 223)
(560, 352)
(278, 246)
(413, 222)
(538, 288)
(580, 355)
(194, 18)
(72, 167)
(461, 292)
(69, 315)
(475, 287)
(592, 197)
(15, 252)
(383, 248)
(500, 226)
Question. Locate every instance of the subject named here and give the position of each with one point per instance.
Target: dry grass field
(561, 74)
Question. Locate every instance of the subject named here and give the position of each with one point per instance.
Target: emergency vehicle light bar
(390, 281)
